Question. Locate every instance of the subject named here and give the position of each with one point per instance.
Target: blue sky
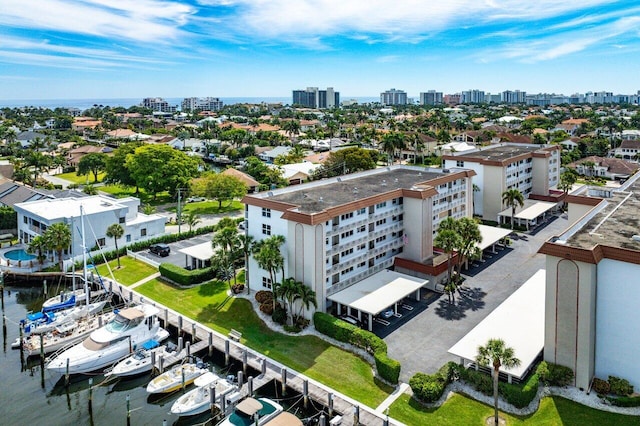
(233, 48)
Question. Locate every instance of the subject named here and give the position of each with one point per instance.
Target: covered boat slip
(531, 214)
(519, 321)
(378, 293)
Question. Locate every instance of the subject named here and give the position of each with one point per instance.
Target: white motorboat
(122, 335)
(43, 322)
(198, 400)
(251, 411)
(63, 335)
(174, 378)
(140, 361)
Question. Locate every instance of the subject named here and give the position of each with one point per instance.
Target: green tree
(448, 240)
(512, 198)
(116, 169)
(470, 236)
(157, 168)
(496, 354)
(307, 298)
(345, 161)
(392, 142)
(289, 290)
(219, 187)
(38, 246)
(226, 241)
(245, 246)
(567, 179)
(192, 219)
(115, 231)
(268, 256)
(94, 163)
(58, 239)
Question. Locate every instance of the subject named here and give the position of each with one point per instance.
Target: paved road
(421, 344)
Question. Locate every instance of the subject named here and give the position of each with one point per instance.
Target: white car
(195, 199)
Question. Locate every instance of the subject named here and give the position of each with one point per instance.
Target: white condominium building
(341, 230)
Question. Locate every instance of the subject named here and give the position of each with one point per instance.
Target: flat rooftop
(320, 195)
(51, 209)
(500, 152)
(613, 223)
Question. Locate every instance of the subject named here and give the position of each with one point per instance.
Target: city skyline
(59, 49)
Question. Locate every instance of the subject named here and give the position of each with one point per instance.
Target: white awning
(379, 291)
(202, 251)
(491, 235)
(529, 211)
(519, 321)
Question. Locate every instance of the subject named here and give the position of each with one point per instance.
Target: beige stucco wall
(570, 317)
(577, 211)
(417, 226)
(306, 247)
(494, 185)
(540, 176)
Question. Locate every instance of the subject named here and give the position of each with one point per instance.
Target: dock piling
(128, 410)
(180, 325)
(356, 415)
(264, 366)
(250, 386)
(153, 362)
(180, 344)
(244, 361)
(193, 332)
(305, 393)
(284, 381)
(226, 352)
(330, 404)
(66, 374)
(188, 347)
(212, 399)
(210, 344)
(240, 379)
(90, 395)
(42, 360)
(161, 364)
(322, 420)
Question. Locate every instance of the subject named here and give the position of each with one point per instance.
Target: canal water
(25, 399)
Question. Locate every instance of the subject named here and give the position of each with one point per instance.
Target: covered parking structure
(532, 213)
(519, 321)
(491, 236)
(378, 293)
(198, 256)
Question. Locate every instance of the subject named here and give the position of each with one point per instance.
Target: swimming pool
(19, 254)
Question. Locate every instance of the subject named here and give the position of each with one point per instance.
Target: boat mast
(73, 261)
(84, 257)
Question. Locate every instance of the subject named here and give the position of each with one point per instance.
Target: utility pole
(179, 215)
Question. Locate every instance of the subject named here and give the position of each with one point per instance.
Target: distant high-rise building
(314, 98)
(453, 99)
(202, 104)
(393, 97)
(430, 97)
(473, 97)
(513, 97)
(158, 105)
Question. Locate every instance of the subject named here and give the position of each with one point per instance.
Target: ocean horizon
(84, 104)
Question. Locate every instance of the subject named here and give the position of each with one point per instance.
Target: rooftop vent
(446, 171)
(355, 189)
(396, 180)
(339, 179)
(636, 238)
(320, 199)
(384, 182)
(270, 193)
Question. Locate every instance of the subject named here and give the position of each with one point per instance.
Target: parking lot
(421, 338)
(175, 256)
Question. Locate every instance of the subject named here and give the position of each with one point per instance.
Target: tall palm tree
(192, 218)
(495, 353)
(448, 240)
(58, 238)
(268, 256)
(289, 290)
(512, 198)
(226, 240)
(38, 246)
(245, 247)
(307, 298)
(115, 231)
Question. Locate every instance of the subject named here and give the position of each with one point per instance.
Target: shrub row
(615, 385)
(388, 369)
(181, 276)
(554, 374)
(520, 395)
(429, 387)
(625, 401)
(480, 381)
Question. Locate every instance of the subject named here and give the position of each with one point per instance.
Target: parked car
(195, 199)
(161, 250)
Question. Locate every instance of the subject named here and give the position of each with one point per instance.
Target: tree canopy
(92, 163)
(345, 161)
(219, 187)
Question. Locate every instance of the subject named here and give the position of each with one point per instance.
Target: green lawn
(208, 207)
(119, 191)
(131, 270)
(209, 304)
(82, 179)
(461, 410)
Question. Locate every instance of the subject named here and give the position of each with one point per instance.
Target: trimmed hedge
(480, 381)
(554, 374)
(625, 401)
(181, 276)
(620, 387)
(388, 369)
(430, 387)
(520, 395)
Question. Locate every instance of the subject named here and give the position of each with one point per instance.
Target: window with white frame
(266, 282)
(266, 229)
(266, 212)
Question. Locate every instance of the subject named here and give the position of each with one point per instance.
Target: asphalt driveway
(422, 340)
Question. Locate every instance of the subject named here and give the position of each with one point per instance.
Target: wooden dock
(202, 337)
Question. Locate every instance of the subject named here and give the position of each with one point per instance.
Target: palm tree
(267, 255)
(307, 298)
(512, 198)
(245, 247)
(148, 209)
(38, 245)
(192, 218)
(226, 240)
(495, 353)
(115, 231)
(448, 240)
(58, 238)
(290, 292)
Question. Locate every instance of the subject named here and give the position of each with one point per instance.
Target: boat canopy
(249, 406)
(131, 314)
(150, 344)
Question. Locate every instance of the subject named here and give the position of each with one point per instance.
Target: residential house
(608, 168)
(298, 173)
(270, 156)
(75, 155)
(26, 138)
(251, 183)
(628, 149)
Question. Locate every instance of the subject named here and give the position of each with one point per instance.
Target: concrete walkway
(144, 280)
(400, 389)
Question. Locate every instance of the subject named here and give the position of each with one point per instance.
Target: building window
(381, 205)
(121, 220)
(266, 212)
(381, 222)
(266, 229)
(143, 232)
(128, 238)
(100, 242)
(347, 252)
(24, 219)
(361, 264)
(362, 210)
(346, 234)
(459, 163)
(346, 216)
(266, 282)
(362, 228)
(362, 246)
(346, 271)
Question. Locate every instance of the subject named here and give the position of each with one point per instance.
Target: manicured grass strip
(131, 270)
(208, 207)
(82, 179)
(209, 304)
(122, 192)
(461, 410)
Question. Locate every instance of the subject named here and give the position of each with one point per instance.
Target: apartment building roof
(610, 230)
(504, 154)
(322, 200)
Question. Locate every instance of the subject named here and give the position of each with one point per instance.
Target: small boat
(121, 336)
(140, 361)
(251, 411)
(63, 335)
(284, 419)
(173, 379)
(65, 300)
(44, 321)
(198, 400)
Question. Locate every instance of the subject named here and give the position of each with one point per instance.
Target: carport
(198, 256)
(491, 236)
(519, 321)
(530, 214)
(377, 293)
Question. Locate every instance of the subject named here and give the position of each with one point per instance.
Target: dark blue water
(84, 104)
